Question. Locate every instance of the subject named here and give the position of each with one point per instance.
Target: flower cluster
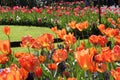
(71, 59)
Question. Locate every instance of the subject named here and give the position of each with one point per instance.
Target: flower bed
(94, 58)
(59, 16)
(54, 15)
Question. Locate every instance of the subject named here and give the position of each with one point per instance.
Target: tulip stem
(86, 75)
(82, 35)
(112, 42)
(55, 73)
(112, 65)
(8, 37)
(28, 49)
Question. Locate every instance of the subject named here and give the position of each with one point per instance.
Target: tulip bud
(6, 30)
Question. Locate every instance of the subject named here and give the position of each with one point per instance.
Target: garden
(61, 41)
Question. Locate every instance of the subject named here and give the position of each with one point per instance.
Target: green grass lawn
(18, 31)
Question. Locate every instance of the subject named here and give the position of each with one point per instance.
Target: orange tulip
(38, 72)
(52, 66)
(71, 79)
(36, 45)
(51, 46)
(70, 39)
(61, 33)
(106, 55)
(23, 73)
(111, 32)
(85, 59)
(101, 40)
(45, 40)
(3, 58)
(72, 24)
(5, 47)
(118, 20)
(93, 39)
(116, 73)
(117, 39)
(28, 62)
(98, 58)
(116, 52)
(11, 73)
(118, 25)
(59, 55)
(81, 26)
(101, 27)
(54, 29)
(85, 24)
(101, 67)
(80, 56)
(27, 41)
(6, 30)
(92, 52)
(20, 54)
(113, 22)
(14, 73)
(109, 20)
(42, 58)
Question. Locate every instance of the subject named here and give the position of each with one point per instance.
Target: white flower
(18, 18)
(52, 20)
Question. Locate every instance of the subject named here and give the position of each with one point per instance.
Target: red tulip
(6, 30)
(38, 71)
